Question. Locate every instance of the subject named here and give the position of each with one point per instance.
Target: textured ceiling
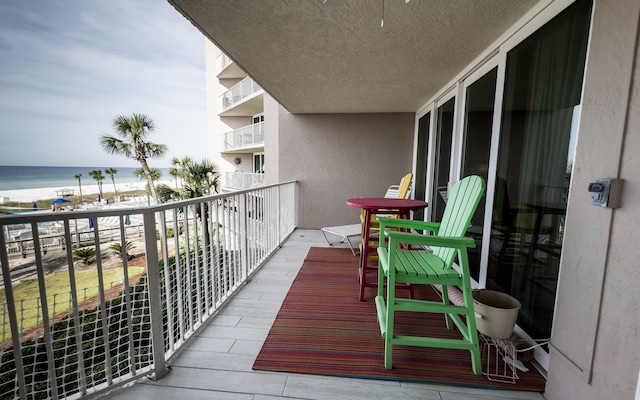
(320, 58)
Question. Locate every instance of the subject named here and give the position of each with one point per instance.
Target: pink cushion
(455, 295)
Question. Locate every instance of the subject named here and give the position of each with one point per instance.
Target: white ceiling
(320, 58)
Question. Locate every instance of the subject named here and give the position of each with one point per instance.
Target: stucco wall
(271, 140)
(320, 151)
(596, 336)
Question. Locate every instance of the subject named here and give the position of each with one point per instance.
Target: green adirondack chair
(417, 265)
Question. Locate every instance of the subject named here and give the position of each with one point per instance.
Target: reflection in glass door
(543, 83)
(443, 140)
(422, 152)
(478, 127)
(258, 163)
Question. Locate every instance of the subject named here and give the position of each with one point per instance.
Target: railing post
(13, 320)
(167, 281)
(102, 309)
(46, 323)
(280, 214)
(243, 234)
(155, 302)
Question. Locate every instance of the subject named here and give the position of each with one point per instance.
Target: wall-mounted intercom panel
(606, 192)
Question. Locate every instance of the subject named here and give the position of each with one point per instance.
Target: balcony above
(227, 69)
(244, 99)
(247, 139)
(232, 181)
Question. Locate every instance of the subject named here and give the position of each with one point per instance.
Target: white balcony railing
(241, 180)
(247, 136)
(75, 339)
(238, 93)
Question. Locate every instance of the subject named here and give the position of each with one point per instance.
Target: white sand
(89, 192)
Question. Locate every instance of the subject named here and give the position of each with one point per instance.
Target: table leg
(364, 252)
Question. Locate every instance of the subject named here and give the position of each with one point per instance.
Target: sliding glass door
(443, 140)
(422, 162)
(542, 89)
(516, 126)
(477, 130)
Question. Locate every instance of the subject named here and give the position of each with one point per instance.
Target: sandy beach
(89, 192)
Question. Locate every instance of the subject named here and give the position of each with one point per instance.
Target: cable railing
(95, 317)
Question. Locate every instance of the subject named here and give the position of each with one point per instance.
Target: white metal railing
(222, 62)
(247, 136)
(77, 339)
(238, 93)
(241, 180)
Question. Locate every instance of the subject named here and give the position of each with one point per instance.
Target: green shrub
(116, 249)
(85, 254)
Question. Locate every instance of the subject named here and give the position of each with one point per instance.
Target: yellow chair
(400, 191)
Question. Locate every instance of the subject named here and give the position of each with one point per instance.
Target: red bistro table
(377, 206)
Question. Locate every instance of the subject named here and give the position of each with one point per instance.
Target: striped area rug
(323, 329)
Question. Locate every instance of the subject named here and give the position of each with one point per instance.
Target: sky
(68, 68)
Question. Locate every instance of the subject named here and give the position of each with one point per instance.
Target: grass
(58, 289)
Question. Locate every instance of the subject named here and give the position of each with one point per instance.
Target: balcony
(218, 363)
(205, 313)
(227, 69)
(243, 99)
(222, 62)
(247, 139)
(241, 180)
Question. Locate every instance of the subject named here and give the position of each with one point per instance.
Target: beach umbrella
(60, 201)
(90, 223)
(127, 221)
(35, 206)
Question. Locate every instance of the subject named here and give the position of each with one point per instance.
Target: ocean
(32, 177)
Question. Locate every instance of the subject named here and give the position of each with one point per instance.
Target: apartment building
(235, 108)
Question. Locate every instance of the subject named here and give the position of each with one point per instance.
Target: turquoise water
(32, 177)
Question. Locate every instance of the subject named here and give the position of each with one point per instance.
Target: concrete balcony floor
(217, 364)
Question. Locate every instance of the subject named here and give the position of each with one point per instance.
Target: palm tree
(200, 179)
(155, 174)
(97, 175)
(123, 251)
(112, 173)
(174, 173)
(133, 132)
(181, 166)
(78, 177)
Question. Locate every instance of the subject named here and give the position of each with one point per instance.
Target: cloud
(69, 68)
